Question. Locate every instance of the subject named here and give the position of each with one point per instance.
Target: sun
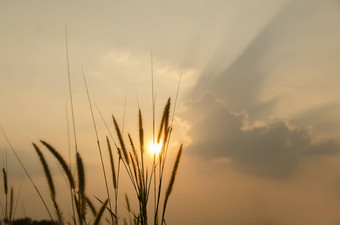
(155, 148)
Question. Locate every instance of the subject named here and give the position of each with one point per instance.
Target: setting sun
(155, 148)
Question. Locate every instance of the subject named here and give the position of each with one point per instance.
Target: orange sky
(258, 111)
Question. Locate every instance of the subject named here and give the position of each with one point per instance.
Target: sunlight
(155, 148)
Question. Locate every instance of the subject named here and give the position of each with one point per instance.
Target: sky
(257, 111)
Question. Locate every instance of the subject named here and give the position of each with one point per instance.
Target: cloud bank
(266, 148)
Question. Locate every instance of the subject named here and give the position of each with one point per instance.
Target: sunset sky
(258, 110)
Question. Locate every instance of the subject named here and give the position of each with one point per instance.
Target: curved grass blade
(81, 186)
(113, 170)
(100, 213)
(172, 181)
(121, 141)
(50, 183)
(61, 161)
(90, 204)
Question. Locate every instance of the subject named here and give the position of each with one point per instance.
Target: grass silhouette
(142, 176)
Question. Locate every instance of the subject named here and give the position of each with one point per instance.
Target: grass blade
(113, 171)
(61, 161)
(90, 204)
(5, 181)
(26, 172)
(50, 182)
(121, 141)
(46, 170)
(100, 213)
(172, 181)
(11, 206)
(81, 186)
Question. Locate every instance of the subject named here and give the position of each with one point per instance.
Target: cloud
(288, 66)
(272, 148)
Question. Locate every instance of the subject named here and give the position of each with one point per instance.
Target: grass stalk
(17, 200)
(119, 160)
(98, 144)
(50, 183)
(91, 206)
(81, 188)
(70, 164)
(26, 172)
(70, 89)
(100, 213)
(171, 183)
(6, 192)
(11, 202)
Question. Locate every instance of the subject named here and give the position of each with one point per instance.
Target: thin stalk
(173, 114)
(170, 131)
(107, 127)
(153, 126)
(68, 138)
(148, 187)
(124, 114)
(70, 164)
(153, 101)
(116, 190)
(70, 89)
(16, 202)
(154, 185)
(172, 120)
(118, 171)
(142, 150)
(98, 143)
(11, 202)
(164, 128)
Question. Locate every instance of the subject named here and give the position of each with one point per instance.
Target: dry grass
(142, 177)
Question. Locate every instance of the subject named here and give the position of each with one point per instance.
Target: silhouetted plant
(141, 178)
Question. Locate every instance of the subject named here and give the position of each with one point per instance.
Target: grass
(147, 180)
(144, 178)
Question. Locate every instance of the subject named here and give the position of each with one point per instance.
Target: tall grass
(80, 199)
(9, 206)
(26, 172)
(140, 176)
(131, 154)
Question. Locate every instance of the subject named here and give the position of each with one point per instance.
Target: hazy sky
(258, 109)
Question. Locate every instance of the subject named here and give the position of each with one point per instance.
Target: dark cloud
(271, 148)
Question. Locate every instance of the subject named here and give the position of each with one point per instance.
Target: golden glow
(155, 148)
